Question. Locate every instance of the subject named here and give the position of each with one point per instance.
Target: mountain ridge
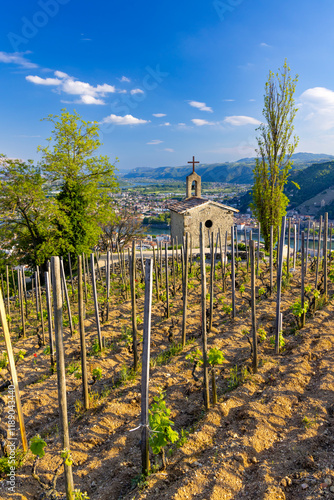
(238, 172)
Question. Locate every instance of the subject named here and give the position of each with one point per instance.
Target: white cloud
(136, 91)
(106, 88)
(170, 150)
(251, 100)
(69, 85)
(17, 58)
(317, 108)
(228, 100)
(154, 142)
(61, 74)
(201, 106)
(89, 99)
(263, 44)
(37, 80)
(166, 124)
(241, 120)
(199, 123)
(75, 87)
(123, 120)
(159, 115)
(124, 79)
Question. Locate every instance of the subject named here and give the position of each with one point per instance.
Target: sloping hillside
(315, 195)
(313, 180)
(239, 172)
(270, 436)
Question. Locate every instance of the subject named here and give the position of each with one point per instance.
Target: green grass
(164, 357)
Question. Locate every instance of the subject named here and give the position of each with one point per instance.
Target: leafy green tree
(276, 144)
(59, 205)
(85, 182)
(29, 219)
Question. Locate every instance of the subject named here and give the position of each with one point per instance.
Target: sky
(165, 80)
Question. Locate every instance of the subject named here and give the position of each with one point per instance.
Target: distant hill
(316, 193)
(311, 181)
(238, 172)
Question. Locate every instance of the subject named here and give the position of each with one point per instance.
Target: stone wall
(176, 226)
(219, 218)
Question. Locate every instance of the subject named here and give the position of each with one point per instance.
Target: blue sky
(165, 80)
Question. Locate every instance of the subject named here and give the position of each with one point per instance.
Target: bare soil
(270, 437)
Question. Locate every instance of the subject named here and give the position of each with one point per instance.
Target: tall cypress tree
(276, 144)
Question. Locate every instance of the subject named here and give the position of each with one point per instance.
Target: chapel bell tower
(195, 179)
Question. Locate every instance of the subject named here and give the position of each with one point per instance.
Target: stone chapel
(187, 214)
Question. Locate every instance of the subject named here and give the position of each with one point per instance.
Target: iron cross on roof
(193, 163)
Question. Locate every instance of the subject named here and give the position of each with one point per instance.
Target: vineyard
(241, 401)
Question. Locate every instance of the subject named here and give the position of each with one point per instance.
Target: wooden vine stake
(279, 285)
(49, 311)
(87, 268)
(325, 250)
(302, 287)
(19, 284)
(145, 376)
(221, 254)
(71, 275)
(204, 332)
(161, 268)
(156, 275)
(288, 249)
(177, 255)
(108, 283)
(40, 303)
(96, 304)
(20, 288)
(167, 281)
(14, 285)
(212, 277)
(13, 373)
(298, 236)
(84, 277)
(142, 262)
(61, 380)
(66, 295)
(185, 290)
(133, 305)
(191, 254)
(233, 271)
(271, 258)
(258, 250)
(173, 270)
(8, 291)
(246, 248)
(2, 286)
(98, 266)
(253, 305)
(82, 336)
(307, 245)
(318, 253)
(294, 246)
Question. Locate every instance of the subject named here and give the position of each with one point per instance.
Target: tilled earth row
(269, 437)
